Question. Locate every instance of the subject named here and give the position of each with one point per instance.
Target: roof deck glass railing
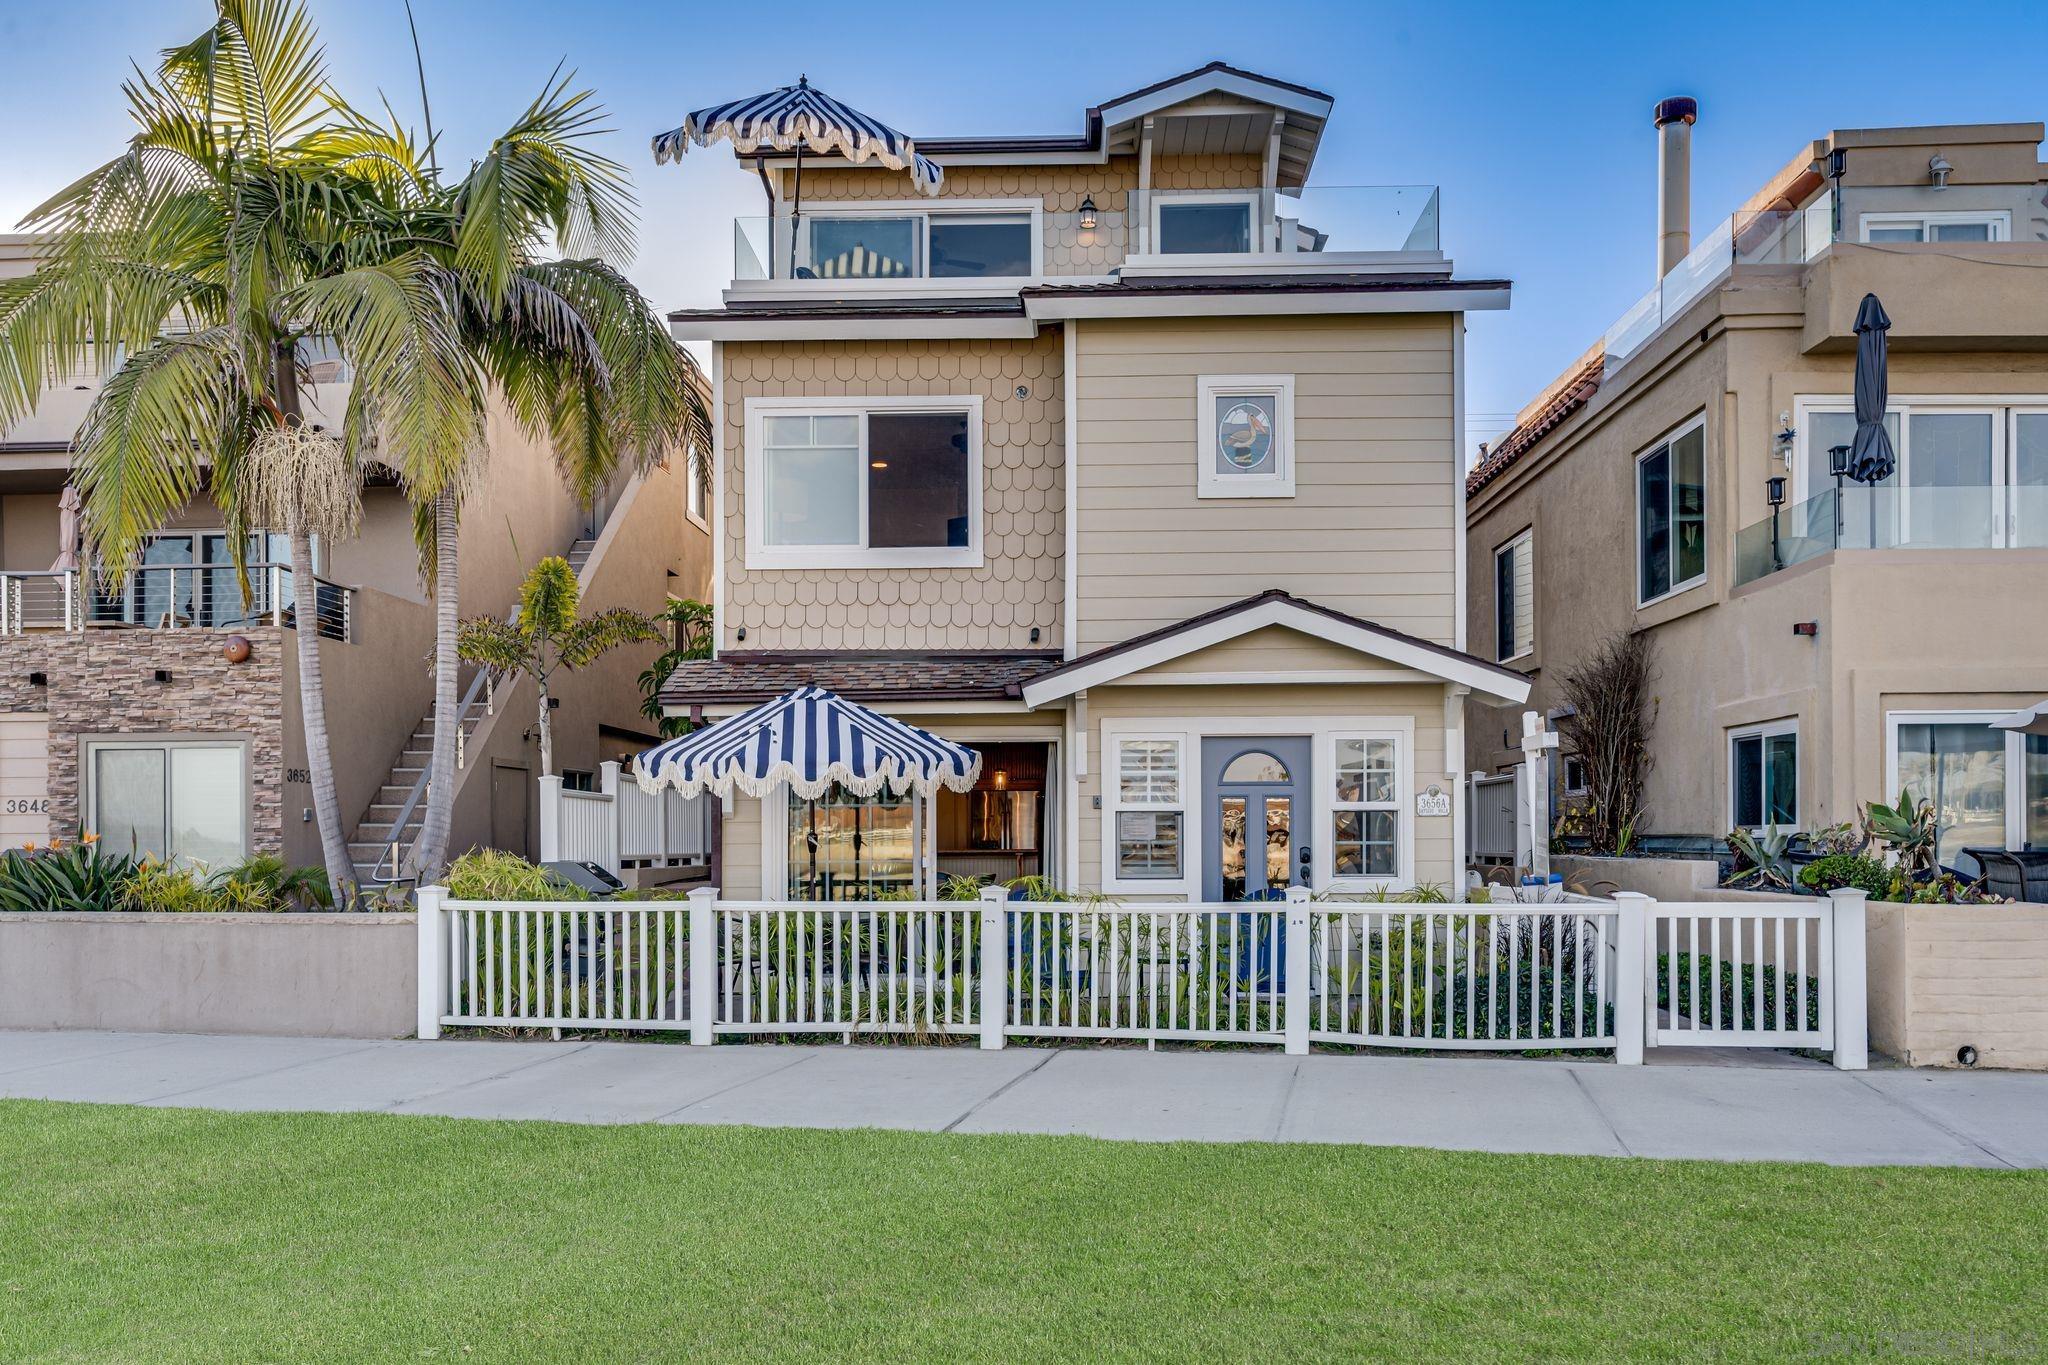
(1892, 517)
(938, 242)
(1773, 237)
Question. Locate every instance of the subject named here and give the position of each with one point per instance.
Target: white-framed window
(696, 486)
(1224, 223)
(1972, 472)
(1575, 783)
(1367, 807)
(1989, 786)
(1147, 815)
(1966, 225)
(1514, 597)
(850, 483)
(1763, 776)
(183, 800)
(1671, 514)
(1244, 436)
(993, 239)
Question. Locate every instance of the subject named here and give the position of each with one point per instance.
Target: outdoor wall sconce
(1088, 213)
(1809, 629)
(1034, 635)
(740, 634)
(1938, 171)
(235, 649)
(163, 675)
(38, 680)
(999, 779)
(1774, 490)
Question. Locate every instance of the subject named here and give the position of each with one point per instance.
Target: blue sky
(1534, 118)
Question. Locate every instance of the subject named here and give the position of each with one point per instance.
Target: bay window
(182, 801)
(1148, 807)
(1671, 514)
(864, 483)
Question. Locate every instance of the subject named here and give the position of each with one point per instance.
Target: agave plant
(1766, 859)
(1909, 828)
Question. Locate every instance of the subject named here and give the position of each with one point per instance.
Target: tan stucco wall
(995, 606)
(1944, 629)
(1942, 976)
(1369, 529)
(323, 975)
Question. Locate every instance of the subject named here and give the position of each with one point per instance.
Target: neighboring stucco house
(1816, 650)
(1125, 461)
(123, 711)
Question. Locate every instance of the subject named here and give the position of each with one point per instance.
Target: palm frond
(594, 635)
(259, 72)
(493, 644)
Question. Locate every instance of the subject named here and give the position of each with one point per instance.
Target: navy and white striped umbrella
(812, 739)
(797, 117)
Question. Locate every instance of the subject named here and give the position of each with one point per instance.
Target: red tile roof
(1571, 391)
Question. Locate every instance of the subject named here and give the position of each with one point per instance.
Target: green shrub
(64, 877)
(1853, 870)
(489, 874)
(279, 884)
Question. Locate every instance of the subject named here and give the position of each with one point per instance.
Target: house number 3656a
(297, 775)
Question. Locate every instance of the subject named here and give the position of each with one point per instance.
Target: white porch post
(550, 818)
(608, 782)
(1294, 953)
(433, 974)
(1537, 743)
(1850, 989)
(995, 965)
(703, 964)
(1635, 976)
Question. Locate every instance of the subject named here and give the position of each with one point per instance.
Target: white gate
(1754, 974)
(1500, 820)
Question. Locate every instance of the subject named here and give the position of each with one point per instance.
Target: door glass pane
(1896, 232)
(812, 481)
(1960, 767)
(1781, 782)
(2029, 491)
(1747, 778)
(846, 847)
(1205, 228)
(1364, 844)
(166, 595)
(1948, 470)
(1230, 834)
(206, 805)
(1279, 840)
(1653, 501)
(1255, 767)
(1689, 506)
(1962, 232)
(863, 248)
(980, 248)
(2037, 791)
(1148, 844)
(918, 480)
(128, 801)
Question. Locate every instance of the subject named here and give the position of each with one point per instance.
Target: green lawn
(172, 1234)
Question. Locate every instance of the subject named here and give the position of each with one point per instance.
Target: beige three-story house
(1126, 460)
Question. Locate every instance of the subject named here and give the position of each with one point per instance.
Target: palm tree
(255, 208)
(548, 637)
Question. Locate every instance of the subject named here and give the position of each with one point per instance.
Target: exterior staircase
(579, 555)
(370, 844)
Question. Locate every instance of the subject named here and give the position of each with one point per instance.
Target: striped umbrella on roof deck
(812, 739)
(797, 117)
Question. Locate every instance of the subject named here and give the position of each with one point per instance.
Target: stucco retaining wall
(328, 975)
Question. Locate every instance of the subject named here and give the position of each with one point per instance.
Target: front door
(1255, 794)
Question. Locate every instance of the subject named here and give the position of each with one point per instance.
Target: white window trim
(1523, 540)
(1766, 732)
(764, 556)
(91, 745)
(1255, 234)
(1322, 733)
(1113, 806)
(1998, 220)
(1403, 738)
(1564, 768)
(696, 490)
(1665, 443)
(1278, 484)
(2015, 761)
(924, 210)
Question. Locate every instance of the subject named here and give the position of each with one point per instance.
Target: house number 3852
(297, 775)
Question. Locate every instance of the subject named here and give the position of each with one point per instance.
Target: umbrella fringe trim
(890, 772)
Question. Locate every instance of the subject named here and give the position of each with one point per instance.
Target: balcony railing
(966, 245)
(1789, 237)
(169, 597)
(1889, 517)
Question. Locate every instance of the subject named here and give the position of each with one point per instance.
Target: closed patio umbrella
(2032, 721)
(1870, 452)
(793, 118)
(70, 522)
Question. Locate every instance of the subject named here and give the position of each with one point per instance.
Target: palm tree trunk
(341, 869)
(431, 856)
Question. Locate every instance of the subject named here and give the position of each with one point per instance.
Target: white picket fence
(619, 826)
(1591, 975)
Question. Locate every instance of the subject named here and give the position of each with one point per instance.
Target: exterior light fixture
(163, 675)
(878, 464)
(38, 680)
(1808, 629)
(1774, 490)
(1838, 462)
(1088, 213)
(999, 779)
(1938, 171)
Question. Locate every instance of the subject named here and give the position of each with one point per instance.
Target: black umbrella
(1870, 453)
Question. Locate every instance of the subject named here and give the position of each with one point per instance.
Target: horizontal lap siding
(1371, 527)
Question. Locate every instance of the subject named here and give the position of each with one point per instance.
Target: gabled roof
(1273, 607)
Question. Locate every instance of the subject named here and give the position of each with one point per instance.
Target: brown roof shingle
(867, 676)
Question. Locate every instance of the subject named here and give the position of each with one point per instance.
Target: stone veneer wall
(103, 682)
(1020, 584)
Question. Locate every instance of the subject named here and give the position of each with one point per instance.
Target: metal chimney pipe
(1675, 118)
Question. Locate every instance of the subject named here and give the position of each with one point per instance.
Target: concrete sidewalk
(1796, 1112)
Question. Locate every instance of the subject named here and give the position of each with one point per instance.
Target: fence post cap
(707, 893)
(995, 895)
(1634, 896)
(1297, 894)
(1852, 894)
